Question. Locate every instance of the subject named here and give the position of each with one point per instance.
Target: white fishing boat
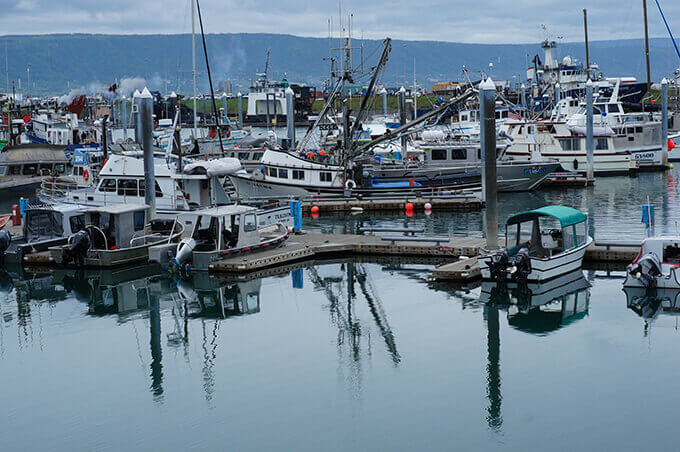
(541, 244)
(657, 265)
(567, 144)
(116, 235)
(226, 231)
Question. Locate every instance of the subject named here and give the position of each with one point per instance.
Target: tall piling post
(137, 116)
(145, 102)
(402, 119)
(383, 93)
(105, 137)
(590, 142)
(523, 98)
(240, 110)
(664, 122)
(487, 115)
(558, 94)
(290, 116)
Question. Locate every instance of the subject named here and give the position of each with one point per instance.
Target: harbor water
(343, 355)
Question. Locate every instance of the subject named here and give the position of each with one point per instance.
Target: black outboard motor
(647, 269)
(498, 267)
(77, 249)
(5, 241)
(522, 267)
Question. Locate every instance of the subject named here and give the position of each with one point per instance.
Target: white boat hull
(544, 269)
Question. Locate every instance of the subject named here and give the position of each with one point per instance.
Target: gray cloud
(480, 21)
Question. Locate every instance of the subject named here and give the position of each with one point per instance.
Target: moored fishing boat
(541, 244)
(116, 235)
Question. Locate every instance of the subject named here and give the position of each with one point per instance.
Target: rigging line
(668, 28)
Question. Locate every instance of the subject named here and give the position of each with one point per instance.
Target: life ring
(227, 133)
(86, 174)
(350, 184)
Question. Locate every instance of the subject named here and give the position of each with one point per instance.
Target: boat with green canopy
(540, 244)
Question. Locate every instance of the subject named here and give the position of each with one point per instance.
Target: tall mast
(193, 60)
(649, 77)
(415, 91)
(585, 27)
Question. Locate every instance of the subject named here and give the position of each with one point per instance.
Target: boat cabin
(115, 226)
(546, 232)
(54, 221)
(32, 160)
(226, 227)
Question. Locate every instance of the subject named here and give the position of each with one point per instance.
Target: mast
(193, 60)
(207, 66)
(649, 77)
(585, 28)
(415, 91)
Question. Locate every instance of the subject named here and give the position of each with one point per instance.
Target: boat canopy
(565, 215)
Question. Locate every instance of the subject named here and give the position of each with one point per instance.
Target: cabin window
(601, 144)
(438, 154)
(159, 192)
(45, 224)
(568, 238)
(325, 176)
(30, 169)
(638, 130)
(463, 117)
(108, 185)
(458, 154)
(249, 222)
(283, 173)
(630, 130)
(298, 175)
(257, 156)
(244, 155)
(671, 253)
(127, 187)
(138, 220)
(3, 170)
(77, 223)
(14, 170)
(570, 144)
(45, 168)
(273, 172)
(59, 168)
(580, 230)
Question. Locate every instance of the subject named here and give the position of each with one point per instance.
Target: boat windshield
(543, 236)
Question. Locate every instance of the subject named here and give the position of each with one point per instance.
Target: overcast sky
(471, 21)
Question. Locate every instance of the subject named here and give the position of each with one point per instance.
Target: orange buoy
(409, 207)
(315, 209)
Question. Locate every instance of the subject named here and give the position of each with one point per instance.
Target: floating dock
(456, 203)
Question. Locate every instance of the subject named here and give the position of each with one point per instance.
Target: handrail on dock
(404, 230)
(437, 240)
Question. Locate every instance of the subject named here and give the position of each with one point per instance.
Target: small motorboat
(225, 231)
(116, 235)
(541, 244)
(657, 265)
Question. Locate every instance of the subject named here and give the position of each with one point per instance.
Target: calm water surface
(346, 355)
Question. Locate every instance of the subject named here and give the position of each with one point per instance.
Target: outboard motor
(647, 269)
(5, 242)
(76, 251)
(498, 267)
(522, 268)
(184, 250)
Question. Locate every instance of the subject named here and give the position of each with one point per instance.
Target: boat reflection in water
(541, 308)
(650, 303)
(535, 308)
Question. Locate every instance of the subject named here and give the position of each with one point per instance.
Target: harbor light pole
(145, 105)
(487, 120)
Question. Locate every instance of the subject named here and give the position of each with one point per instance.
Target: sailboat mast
(649, 77)
(193, 60)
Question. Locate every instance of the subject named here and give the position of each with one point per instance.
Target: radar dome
(567, 61)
